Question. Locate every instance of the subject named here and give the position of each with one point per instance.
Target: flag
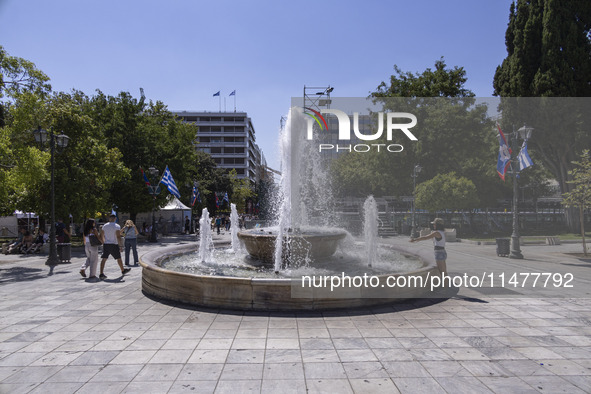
(146, 180)
(169, 182)
(217, 201)
(233, 93)
(523, 157)
(216, 94)
(504, 154)
(196, 196)
(226, 198)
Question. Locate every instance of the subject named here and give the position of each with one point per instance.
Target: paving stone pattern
(62, 334)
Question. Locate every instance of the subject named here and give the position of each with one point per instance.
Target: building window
(216, 150)
(204, 139)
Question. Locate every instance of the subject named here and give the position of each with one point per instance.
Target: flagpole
(220, 96)
(224, 104)
(234, 101)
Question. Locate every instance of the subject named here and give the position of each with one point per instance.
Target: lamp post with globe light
(61, 140)
(523, 133)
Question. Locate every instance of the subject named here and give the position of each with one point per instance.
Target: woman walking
(92, 253)
(130, 232)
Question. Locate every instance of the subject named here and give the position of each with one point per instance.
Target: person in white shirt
(438, 236)
(112, 246)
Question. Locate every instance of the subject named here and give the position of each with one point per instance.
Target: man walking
(111, 233)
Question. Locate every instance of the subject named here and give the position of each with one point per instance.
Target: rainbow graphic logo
(315, 115)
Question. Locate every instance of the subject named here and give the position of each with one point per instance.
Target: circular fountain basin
(272, 293)
(311, 245)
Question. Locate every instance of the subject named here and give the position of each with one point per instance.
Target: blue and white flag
(196, 196)
(226, 198)
(169, 182)
(233, 93)
(216, 94)
(523, 157)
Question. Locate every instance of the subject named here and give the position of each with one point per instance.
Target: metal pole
(153, 236)
(515, 249)
(52, 259)
(414, 186)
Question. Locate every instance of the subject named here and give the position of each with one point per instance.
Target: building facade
(229, 137)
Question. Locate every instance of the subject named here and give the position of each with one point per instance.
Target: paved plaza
(62, 334)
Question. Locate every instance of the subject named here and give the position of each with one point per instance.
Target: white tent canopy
(174, 204)
(171, 217)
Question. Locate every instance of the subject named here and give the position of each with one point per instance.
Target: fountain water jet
(292, 247)
(370, 229)
(205, 237)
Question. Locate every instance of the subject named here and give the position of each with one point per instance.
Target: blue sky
(183, 51)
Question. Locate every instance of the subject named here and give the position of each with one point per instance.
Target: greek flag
(196, 196)
(169, 182)
(233, 93)
(216, 94)
(523, 157)
(226, 198)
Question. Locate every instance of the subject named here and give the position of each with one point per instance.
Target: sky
(181, 52)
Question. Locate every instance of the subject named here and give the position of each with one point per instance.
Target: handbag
(94, 241)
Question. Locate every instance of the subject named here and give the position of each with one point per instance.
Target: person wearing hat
(112, 246)
(438, 236)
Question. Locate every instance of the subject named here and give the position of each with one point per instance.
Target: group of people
(27, 242)
(113, 239)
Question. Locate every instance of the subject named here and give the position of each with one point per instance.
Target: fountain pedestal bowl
(312, 245)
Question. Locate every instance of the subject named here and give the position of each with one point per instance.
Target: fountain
(304, 241)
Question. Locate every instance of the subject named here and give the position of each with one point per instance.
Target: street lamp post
(154, 191)
(524, 133)
(41, 136)
(415, 171)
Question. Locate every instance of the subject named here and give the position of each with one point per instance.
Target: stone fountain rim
(261, 293)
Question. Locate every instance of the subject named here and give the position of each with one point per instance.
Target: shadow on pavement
(20, 274)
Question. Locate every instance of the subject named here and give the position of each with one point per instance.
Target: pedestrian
(27, 242)
(438, 236)
(16, 245)
(228, 222)
(218, 223)
(41, 239)
(113, 245)
(130, 233)
(187, 225)
(91, 248)
(61, 232)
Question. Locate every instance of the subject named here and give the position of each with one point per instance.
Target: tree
(447, 191)
(580, 195)
(17, 76)
(84, 170)
(549, 55)
(454, 135)
(241, 190)
(147, 135)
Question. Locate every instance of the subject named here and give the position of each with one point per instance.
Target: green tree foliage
(454, 135)
(242, 189)
(17, 76)
(447, 191)
(147, 135)
(84, 170)
(549, 55)
(580, 195)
